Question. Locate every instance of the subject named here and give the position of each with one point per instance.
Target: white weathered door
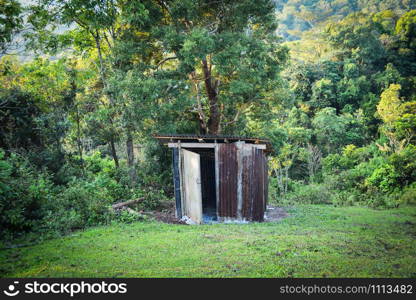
(191, 175)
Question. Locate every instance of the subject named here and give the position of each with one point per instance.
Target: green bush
(152, 198)
(372, 198)
(308, 194)
(125, 216)
(397, 172)
(30, 202)
(116, 191)
(404, 164)
(366, 176)
(23, 194)
(385, 178)
(345, 198)
(376, 198)
(350, 157)
(96, 163)
(408, 195)
(273, 192)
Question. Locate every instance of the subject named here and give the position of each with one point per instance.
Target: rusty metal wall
(258, 182)
(254, 180)
(246, 182)
(228, 173)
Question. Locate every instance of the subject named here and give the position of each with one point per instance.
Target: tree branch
(165, 60)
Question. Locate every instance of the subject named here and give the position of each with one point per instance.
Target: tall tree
(113, 31)
(228, 53)
(96, 28)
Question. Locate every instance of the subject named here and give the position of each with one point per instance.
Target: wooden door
(191, 178)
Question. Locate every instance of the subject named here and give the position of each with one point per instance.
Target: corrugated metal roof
(205, 137)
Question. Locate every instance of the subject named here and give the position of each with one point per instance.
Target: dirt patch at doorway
(167, 215)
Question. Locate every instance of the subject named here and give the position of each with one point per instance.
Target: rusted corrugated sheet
(258, 201)
(254, 177)
(266, 181)
(246, 180)
(228, 173)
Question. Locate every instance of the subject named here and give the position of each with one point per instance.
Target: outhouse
(219, 178)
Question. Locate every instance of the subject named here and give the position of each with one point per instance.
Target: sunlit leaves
(11, 22)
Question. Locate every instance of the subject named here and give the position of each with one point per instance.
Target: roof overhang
(209, 141)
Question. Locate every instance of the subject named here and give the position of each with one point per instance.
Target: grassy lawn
(315, 241)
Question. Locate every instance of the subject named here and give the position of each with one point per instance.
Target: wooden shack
(219, 178)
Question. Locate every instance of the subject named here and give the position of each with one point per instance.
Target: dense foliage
(355, 101)
(336, 96)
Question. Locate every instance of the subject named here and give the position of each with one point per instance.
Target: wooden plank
(233, 139)
(207, 145)
(192, 145)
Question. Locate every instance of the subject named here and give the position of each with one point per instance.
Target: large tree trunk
(130, 158)
(104, 82)
(211, 90)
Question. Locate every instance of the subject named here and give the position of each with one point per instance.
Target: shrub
(385, 178)
(80, 204)
(398, 171)
(96, 163)
(308, 194)
(408, 196)
(344, 198)
(152, 198)
(350, 158)
(372, 198)
(23, 193)
(125, 216)
(273, 196)
(404, 164)
(116, 191)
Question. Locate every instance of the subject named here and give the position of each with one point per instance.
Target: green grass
(315, 241)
